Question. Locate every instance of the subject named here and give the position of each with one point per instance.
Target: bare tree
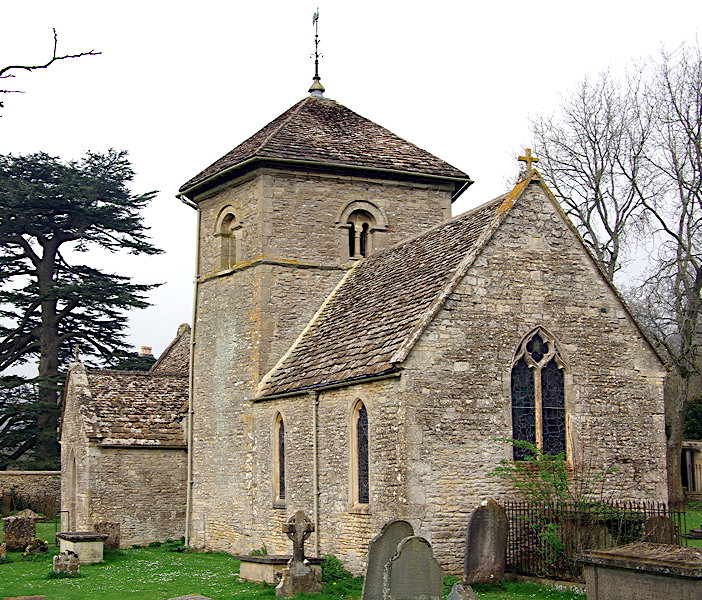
(588, 152)
(624, 157)
(671, 296)
(7, 72)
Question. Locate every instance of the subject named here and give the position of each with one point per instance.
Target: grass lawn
(694, 521)
(157, 574)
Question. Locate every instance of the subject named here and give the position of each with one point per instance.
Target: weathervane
(317, 88)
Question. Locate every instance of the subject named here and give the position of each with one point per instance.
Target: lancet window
(360, 455)
(538, 396)
(279, 459)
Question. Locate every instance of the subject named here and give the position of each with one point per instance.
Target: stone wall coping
(82, 536)
(275, 559)
(662, 559)
(28, 473)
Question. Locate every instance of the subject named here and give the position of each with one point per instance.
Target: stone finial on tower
(316, 89)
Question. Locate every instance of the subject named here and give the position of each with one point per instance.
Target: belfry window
(366, 225)
(361, 481)
(538, 396)
(279, 459)
(360, 223)
(228, 230)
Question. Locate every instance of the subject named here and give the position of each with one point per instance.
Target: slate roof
(320, 130)
(377, 311)
(135, 407)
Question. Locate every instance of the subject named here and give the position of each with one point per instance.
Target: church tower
(281, 218)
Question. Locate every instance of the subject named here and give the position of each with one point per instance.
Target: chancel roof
(322, 131)
(371, 320)
(135, 407)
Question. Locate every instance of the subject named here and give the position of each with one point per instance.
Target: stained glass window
(362, 454)
(523, 414)
(538, 397)
(552, 409)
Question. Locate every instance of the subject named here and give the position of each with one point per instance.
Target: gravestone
(486, 544)
(36, 546)
(191, 597)
(67, 563)
(459, 591)
(299, 577)
(18, 532)
(413, 573)
(3, 551)
(659, 530)
(380, 550)
(111, 530)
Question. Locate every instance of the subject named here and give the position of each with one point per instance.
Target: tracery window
(279, 459)
(538, 396)
(361, 479)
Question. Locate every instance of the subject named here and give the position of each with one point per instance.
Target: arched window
(359, 223)
(279, 459)
(228, 230)
(359, 449)
(365, 224)
(538, 396)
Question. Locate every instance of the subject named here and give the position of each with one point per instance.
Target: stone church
(356, 352)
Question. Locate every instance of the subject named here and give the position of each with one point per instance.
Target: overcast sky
(179, 84)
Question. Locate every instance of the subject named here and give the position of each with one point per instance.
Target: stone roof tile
(135, 407)
(378, 306)
(320, 130)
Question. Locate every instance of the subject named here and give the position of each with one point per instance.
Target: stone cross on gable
(529, 159)
(298, 529)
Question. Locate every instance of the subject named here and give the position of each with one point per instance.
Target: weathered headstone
(413, 573)
(18, 532)
(486, 544)
(380, 550)
(459, 591)
(111, 530)
(298, 577)
(3, 551)
(659, 530)
(36, 546)
(67, 563)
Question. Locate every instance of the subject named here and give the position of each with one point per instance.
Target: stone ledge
(82, 536)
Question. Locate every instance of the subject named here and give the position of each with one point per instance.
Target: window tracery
(538, 396)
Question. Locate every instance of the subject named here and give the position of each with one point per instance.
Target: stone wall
(432, 431)
(292, 255)
(31, 483)
(147, 502)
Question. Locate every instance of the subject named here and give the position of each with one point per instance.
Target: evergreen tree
(51, 212)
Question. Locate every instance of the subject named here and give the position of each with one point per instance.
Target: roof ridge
(291, 113)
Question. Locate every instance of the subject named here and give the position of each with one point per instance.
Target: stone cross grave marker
(413, 573)
(299, 577)
(486, 544)
(298, 529)
(380, 550)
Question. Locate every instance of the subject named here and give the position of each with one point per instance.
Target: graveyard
(400, 565)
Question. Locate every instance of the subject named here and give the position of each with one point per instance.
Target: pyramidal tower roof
(320, 133)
